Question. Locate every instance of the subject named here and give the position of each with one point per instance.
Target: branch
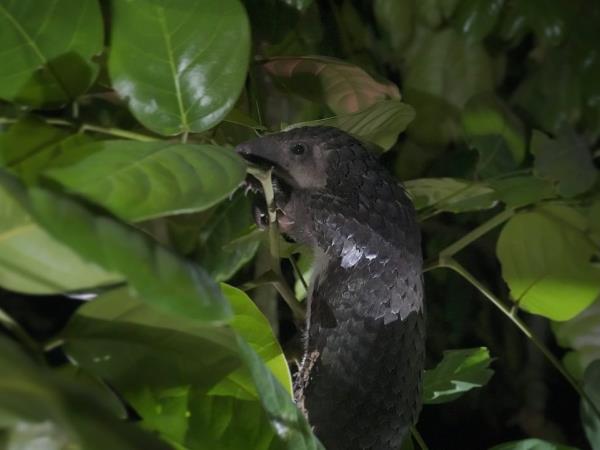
(451, 263)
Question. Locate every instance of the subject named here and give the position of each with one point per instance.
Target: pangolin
(359, 382)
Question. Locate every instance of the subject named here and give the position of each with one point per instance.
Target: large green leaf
(181, 65)
(156, 274)
(31, 146)
(40, 408)
(591, 422)
(141, 180)
(443, 71)
(551, 92)
(458, 372)
(450, 194)
(221, 253)
(532, 444)
(34, 262)
(343, 87)
(47, 49)
(521, 190)
(185, 379)
(25, 139)
(566, 161)
(496, 133)
(379, 124)
(287, 420)
(581, 335)
(545, 257)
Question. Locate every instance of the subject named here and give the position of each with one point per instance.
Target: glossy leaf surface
(180, 65)
(142, 180)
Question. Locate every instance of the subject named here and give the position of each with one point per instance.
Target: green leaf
(450, 194)
(185, 379)
(142, 180)
(40, 408)
(25, 139)
(343, 87)
(33, 262)
(396, 19)
(580, 334)
(477, 18)
(47, 50)
(521, 190)
(159, 276)
(287, 420)
(567, 161)
(220, 253)
(591, 422)
(443, 71)
(545, 259)
(458, 372)
(551, 92)
(531, 444)
(31, 146)
(379, 124)
(305, 264)
(496, 133)
(181, 65)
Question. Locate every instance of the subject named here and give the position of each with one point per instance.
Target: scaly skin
(360, 379)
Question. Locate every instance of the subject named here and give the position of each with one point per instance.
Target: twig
(117, 132)
(451, 263)
(478, 232)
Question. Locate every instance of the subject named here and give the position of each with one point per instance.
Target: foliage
(118, 184)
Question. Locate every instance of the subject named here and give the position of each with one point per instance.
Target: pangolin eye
(298, 149)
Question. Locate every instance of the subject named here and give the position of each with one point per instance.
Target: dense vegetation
(120, 213)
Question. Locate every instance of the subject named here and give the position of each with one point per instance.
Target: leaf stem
(418, 438)
(451, 263)
(476, 233)
(117, 132)
(13, 326)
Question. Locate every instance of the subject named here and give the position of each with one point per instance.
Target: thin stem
(476, 233)
(298, 273)
(117, 132)
(184, 137)
(20, 333)
(418, 438)
(454, 265)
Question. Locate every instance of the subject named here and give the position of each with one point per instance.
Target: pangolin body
(359, 382)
